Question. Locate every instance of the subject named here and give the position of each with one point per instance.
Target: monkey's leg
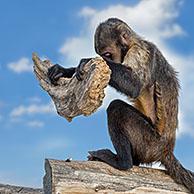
(123, 159)
(132, 135)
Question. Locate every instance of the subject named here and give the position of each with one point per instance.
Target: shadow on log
(72, 97)
(96, 177)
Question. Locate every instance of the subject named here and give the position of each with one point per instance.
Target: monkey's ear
(124, 37)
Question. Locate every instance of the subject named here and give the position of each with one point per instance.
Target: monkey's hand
(56, 71)
(80, 69)
(72, 97)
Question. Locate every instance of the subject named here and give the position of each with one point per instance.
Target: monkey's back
(166, 78)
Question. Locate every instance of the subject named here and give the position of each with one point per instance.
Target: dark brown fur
(146, 131)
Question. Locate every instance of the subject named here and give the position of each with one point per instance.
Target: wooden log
(10, 189)
(72, 97)
(97, 177)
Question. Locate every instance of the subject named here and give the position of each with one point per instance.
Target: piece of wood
(97, 177)
(72, 97)
(10, 189)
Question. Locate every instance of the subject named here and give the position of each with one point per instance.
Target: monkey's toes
(93, 156)
(90, 158)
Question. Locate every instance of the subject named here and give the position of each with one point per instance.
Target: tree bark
(97, 177)
(72, 97)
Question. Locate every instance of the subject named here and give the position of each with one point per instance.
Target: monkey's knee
(115, 105)
(119, 110)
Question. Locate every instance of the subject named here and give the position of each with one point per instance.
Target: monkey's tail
(178, 172)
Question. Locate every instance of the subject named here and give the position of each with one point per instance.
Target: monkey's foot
(100, 155)
(104, 155)
(92, 158)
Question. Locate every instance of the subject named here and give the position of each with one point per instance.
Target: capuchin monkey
(145, 131)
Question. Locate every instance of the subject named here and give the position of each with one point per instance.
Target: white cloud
(158, 16)
(32, 109)
(158, 24)
(20, 66)
(112, 94)
(156, 165)
(76, 48)
(35, 124)
(155, 20)
(174, 30)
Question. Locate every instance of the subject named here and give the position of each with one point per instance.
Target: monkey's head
(112, 39)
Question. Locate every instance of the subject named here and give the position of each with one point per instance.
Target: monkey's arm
(134, 73)
(124, 79)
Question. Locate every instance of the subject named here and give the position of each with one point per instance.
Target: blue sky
(63, 32)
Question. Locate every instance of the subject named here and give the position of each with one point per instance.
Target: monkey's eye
(107, 55)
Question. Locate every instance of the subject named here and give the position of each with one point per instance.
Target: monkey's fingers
(92, 157)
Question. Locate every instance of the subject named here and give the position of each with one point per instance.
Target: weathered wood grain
(96, 177)
(72, 97)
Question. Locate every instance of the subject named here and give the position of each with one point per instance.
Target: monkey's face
(111, 52)
(112, 43)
